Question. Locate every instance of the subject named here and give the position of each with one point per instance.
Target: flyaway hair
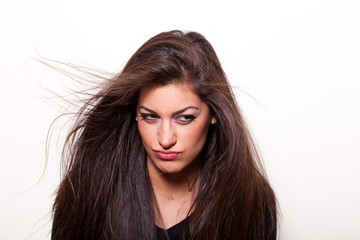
(106, 192)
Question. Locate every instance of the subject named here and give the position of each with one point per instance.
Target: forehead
(171, 96)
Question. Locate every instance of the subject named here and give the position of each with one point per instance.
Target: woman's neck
(174, 193)
(175, 183)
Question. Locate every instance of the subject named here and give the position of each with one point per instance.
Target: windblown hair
(106, 191)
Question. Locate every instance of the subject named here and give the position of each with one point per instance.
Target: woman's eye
(149, 117)
(185, 118)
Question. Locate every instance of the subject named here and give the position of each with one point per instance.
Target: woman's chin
(170, 168)
(173, 167)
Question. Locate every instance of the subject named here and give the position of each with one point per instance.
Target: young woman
(162, 152)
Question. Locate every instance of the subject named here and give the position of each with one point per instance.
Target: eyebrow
(173, 114)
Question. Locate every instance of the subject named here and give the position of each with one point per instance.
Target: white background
(295, 66)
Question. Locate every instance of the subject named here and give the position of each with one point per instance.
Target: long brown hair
(106, 191)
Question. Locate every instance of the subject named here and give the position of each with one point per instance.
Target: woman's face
(173, 123)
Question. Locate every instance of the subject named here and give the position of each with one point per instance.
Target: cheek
(196, 136)
(147, 134)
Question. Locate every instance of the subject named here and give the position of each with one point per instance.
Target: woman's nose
(166, 136)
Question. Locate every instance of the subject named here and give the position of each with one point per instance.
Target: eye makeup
(185, 119)
(180, 118)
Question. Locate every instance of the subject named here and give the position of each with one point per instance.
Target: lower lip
(167, 156)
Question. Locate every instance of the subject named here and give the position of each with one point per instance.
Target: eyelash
(149, 117)
(186, 119)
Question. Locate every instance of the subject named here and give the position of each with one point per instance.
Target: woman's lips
(167, 155)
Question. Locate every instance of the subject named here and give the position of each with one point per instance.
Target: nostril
(166, 135)
(167, 142)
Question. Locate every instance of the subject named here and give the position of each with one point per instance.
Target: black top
(173, 233)
(176, 231)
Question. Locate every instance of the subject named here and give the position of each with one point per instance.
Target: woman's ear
(213, 120)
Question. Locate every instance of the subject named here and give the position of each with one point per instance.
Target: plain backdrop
(294, 65)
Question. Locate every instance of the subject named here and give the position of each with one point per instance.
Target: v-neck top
(177, 231)
(173, 233)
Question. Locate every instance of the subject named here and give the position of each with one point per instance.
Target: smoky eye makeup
(185, 118)
(149, 116)
(179, 116)
(182, 119)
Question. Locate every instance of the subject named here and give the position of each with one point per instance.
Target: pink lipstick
(167, 155)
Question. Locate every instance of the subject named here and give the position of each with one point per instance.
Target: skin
(173, 123)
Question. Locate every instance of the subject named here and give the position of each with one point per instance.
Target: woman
(162, 152)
